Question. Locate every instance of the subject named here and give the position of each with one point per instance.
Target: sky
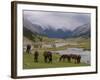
(57, 20)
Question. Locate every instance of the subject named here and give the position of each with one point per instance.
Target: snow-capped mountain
(81, 31)
(32, 27)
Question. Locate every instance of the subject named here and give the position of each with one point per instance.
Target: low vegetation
(28, 59)
(30, 64)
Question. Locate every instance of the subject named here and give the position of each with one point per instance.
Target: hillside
(82, 31)
(31, 36)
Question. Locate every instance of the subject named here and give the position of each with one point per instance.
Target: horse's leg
(74, 60)
(60, 58)
(28, 51)
(45, 59)
(78, 60)
(51, 59)
(36, 59)
(69, 59)
(63, 59)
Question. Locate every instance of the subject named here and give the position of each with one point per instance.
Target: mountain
(50, 32)
(59, 33)
(28, 33)
(82, 31)
(31, 28)
(32, 35)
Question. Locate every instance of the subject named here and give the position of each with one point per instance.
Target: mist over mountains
(80, 31)
(57, 24)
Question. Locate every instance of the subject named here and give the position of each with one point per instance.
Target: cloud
(57, 20)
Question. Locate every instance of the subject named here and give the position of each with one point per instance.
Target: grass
(28, 59)
(84, 43)
(30, 64)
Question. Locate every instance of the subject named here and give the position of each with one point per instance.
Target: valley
(58, 35)
(60, 46)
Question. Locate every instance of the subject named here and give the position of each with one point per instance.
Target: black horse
(47, 57)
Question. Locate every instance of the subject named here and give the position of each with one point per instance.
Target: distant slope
(27, 33)
(59, 33)
(32, 35)
(82, 31)
(31, 29)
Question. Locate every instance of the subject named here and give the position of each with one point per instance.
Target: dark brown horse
(36, 54)
(63, 57)
(28, 49)
(69, 57)
(76, 58)
(47, 56)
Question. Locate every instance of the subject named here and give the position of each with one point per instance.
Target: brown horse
(28, 50)
(75, 57)
(36, 54)
(63, 57)
(47, 56)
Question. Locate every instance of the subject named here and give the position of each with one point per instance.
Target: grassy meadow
(28, 59)
(30, 64)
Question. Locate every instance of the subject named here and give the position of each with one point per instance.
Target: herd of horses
(48, 56)
(75, 57)
(70, 57)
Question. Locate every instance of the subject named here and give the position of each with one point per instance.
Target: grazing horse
(47, 57)
(36, 54)
(63, 57)
(28, 50)
(75, 57)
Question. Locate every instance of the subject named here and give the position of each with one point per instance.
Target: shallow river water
(85, 55)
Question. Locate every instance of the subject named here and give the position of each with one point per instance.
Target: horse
(64, 56)
(75, 57)
(36, 54)
(28, 50)
(47, 56)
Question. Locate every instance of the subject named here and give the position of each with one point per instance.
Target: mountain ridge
(80, 31)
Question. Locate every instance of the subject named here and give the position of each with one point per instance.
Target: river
(85, 55)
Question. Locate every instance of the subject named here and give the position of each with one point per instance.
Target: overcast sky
(57, 20)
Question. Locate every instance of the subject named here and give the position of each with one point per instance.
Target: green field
(30, 64)
(28, 59)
